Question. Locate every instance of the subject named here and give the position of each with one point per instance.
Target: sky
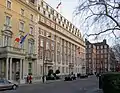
(66, 8)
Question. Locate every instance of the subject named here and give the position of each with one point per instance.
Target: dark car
(5, 85)
(68, 78)
(73, 77)
(83, 76)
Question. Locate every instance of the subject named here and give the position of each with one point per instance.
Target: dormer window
(32, 1)
(47, 7)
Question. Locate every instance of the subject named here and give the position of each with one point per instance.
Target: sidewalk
(96, 90)
(40, 82)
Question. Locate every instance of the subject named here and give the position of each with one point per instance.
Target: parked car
(68, 78)
(73, 77)
(83, 76)
(5, 85)
(50, 77)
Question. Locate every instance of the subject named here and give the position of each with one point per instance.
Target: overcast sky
(66, 8)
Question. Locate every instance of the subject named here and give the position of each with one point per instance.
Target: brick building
(97, 57)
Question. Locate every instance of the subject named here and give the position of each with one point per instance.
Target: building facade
(102, 60)
(60, 44)
(18, 18)
(51, 41)
(90, 58)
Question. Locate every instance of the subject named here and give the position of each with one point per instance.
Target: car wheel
(14, 87)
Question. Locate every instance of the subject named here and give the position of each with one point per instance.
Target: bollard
(100, 82)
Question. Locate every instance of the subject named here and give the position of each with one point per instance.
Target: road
(89, 85)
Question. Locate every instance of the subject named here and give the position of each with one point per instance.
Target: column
(7, 65)
(10, 68)
(55, 52)
(21, 69)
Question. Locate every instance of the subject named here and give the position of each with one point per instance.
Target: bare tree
(102, 16)
(116, 49)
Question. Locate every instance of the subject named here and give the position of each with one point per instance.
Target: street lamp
(43, 78)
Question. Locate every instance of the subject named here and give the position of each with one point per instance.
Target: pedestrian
(43, 79)
(97, 75)
(27, 79)
(30, 79)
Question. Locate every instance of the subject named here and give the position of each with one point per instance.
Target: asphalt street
(89, 85)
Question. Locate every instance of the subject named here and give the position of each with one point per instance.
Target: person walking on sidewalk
(30, 79)
(97, 75)
(27, 79)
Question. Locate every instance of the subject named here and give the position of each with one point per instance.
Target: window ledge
(31, 35)
(21, 31)
(9, 8)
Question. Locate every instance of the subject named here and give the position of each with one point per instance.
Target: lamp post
(44, 45)
(43, 78)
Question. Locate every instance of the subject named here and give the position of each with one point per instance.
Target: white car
(5, 84)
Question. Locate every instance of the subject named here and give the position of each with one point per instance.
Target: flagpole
(60, 8)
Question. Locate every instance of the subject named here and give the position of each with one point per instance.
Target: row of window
(98, 47)
(7, 42)
(53, 15)
(22, 11)
(21, 25)
(97, 51)
(102, 51)
(59, 40)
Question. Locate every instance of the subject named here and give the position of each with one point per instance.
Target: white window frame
(97, 47)
(31, 30)
(52, 46)
(20, 26)
(7, 40)
(47, 45)
(31, 47)
(41, 42)
(31, 17)
(105, 46)
(7, 4)
(6, 21)
(89, 46)
(22, 12)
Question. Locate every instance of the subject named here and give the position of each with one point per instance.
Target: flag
(17, 39)
(23, 39)
(58, 5)
(16, 43)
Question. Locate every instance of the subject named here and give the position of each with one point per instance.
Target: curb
(95, 90)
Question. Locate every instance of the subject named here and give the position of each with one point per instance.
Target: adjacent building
(90, 58)
(101, 57)
(50, 41)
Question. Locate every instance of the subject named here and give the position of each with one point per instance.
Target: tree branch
(103, 31)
